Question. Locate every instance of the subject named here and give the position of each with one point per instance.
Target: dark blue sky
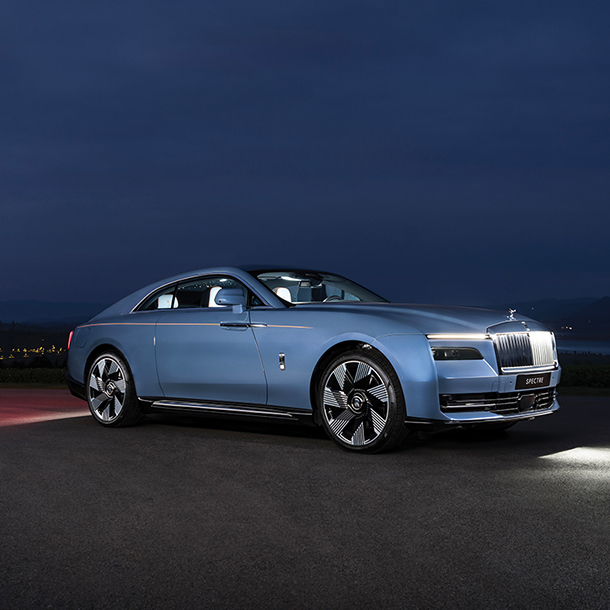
(449, 152)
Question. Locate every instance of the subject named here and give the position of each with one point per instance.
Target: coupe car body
(309, 346)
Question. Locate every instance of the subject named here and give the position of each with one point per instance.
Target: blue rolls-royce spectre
(307, 346)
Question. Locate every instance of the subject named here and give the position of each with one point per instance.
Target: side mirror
(230, 296)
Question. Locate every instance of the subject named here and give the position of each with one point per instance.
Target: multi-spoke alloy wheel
(361, 403)
(110, 392)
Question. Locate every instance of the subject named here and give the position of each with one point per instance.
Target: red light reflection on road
(29, 406)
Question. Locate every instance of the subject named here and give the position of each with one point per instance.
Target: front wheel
(361, 402)
(111, 393)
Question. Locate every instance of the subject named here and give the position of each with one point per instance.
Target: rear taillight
(70, 338)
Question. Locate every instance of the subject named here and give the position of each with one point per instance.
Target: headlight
(456, 353)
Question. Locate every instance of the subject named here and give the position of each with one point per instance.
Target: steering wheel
(332, 297)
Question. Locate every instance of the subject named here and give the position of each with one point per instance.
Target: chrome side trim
(219, 409)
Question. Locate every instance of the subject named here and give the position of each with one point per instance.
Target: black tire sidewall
(395, 426)
(130, 400)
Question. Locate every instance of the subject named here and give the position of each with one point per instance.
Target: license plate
(533, 381)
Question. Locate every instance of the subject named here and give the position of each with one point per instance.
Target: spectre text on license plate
(537, 380)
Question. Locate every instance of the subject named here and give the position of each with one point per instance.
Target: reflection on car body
(312, 347)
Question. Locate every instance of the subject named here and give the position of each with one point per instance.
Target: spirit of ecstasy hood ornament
(511, 318)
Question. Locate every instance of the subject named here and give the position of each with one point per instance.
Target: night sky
(444, 152)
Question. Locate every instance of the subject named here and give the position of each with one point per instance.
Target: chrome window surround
(197, 276)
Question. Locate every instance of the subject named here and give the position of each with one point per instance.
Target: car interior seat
(283, 293)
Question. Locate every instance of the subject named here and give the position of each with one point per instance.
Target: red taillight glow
(70, 338)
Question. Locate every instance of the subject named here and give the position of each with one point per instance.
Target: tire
(361, 403)
(111, 393)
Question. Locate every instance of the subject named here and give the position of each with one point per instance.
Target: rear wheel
(361, 402)
(111, 393)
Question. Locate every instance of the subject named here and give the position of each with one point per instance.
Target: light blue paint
(231, 354)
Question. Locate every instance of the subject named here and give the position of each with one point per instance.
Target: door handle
(243, 325)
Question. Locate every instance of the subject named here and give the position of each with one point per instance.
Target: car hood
(433, 319)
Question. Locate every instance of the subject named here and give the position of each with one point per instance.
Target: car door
(205, 351)
(290, 343)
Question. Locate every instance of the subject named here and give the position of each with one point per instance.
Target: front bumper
(482, 410)
(512, 403)
(474, 392)
(514, 406)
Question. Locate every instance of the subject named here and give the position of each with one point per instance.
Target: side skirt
(228, 410)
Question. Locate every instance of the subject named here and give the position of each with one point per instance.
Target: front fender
(412, 360)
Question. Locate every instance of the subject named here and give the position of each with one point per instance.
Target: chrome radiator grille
(525, 350)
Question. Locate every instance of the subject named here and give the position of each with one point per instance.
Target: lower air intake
(511, 403)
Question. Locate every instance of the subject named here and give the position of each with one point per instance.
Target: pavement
(28, 406)
(197, 513)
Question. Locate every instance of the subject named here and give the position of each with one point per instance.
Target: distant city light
(26, 352)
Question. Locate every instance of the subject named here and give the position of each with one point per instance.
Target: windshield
(314, 287)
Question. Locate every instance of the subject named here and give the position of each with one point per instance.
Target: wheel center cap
(357, 403)
(110, 388)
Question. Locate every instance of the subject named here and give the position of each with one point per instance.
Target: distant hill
(548, 308)
(42, 313)
(579, 318)
(593, 319)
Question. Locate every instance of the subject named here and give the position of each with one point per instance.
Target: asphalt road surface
(185, 513)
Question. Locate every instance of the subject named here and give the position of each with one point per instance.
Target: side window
(255, 301)
(192, 294)
(201, 292)
(162, 299)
